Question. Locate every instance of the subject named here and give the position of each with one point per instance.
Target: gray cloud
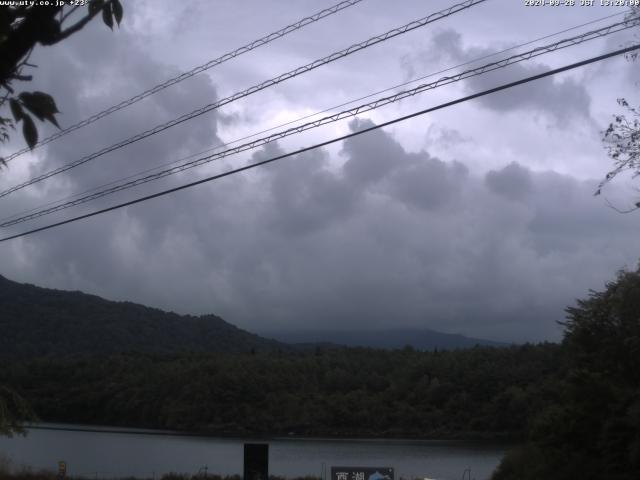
(304, 244)
(376, 236)
(513, 181)
(370, 158)
(304, 194)
(428, 182)
(562, 99)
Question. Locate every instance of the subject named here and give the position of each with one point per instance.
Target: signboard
(361, 473)
(62, 469)
(256, 461)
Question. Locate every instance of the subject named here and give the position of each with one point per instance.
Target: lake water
(149, 454)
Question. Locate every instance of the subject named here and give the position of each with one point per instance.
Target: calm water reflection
(148, 453)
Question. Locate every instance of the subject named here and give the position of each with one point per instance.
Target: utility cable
(194, 71)
(256, 88)
(329, 142)
(568, 42)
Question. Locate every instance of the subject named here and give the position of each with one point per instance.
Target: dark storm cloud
(83, 79)
(428, 182)
(417, 179)
(513, 181)
(301, 244)
(105, 256)
(564, 99)
(305, 195)
(427, 243)
(372, 157)
(375, 236)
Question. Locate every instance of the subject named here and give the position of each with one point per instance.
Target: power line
(349, 113)
(194, 71)
(329, 142)
(226, 144)
(564, 43)
(231, 142)
(256, 88)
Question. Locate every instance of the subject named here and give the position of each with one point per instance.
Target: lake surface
(149, 454)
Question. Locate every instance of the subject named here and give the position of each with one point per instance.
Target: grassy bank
(49, 475)
(6, 473)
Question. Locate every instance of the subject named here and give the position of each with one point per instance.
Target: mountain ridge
(45, 322)
(386, 338)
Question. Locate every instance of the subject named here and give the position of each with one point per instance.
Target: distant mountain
(38, 321)
(420, 339)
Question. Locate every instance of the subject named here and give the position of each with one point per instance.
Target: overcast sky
(478, 219)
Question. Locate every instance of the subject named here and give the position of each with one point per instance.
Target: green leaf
(41, 104)
(116, 6)
(16, 109)
(107, 16)
(29, 131)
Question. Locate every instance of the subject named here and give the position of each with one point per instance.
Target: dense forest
(479, 392)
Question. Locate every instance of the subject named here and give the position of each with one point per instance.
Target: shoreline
(469, 438)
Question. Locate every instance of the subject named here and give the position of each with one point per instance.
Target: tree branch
(80, 23)
(19, 42)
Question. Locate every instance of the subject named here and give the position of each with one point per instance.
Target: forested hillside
(38, 321)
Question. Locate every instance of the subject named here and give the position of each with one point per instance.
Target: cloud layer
(373, 234)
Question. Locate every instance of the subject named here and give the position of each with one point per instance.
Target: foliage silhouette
(22, 28)
(592, 428)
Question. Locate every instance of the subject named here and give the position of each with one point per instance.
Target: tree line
(478, 392)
